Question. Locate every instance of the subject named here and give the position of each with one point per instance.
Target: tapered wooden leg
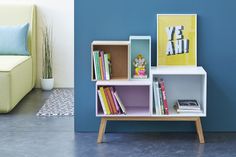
(102, 129)
(199, 130)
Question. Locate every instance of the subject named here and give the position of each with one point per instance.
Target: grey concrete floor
(23, 134)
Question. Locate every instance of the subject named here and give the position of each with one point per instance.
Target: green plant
(47, 53)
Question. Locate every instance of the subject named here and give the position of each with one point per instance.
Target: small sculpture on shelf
(139, 64)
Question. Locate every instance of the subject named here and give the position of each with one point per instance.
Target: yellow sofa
(17, 73)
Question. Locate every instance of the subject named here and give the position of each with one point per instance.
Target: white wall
(60, 15)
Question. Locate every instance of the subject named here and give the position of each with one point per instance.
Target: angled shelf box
(135, 96)
(140, 45)
(119, 52)
(183, 83)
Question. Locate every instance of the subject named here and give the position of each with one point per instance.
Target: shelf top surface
(110, 42)
(140, 38)
(125, 82)
(178, 70)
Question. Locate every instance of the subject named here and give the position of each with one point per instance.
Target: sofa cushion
(7, 63)
(13, 40)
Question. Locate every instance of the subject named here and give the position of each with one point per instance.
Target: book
(107, 71)
(161, 101)
(112, 103)
(108, 101)
(96, 65)
(120, 102)
(156, 98)
(186, 110)
(164, 96)
(188, 104)
(189, 111)
(101, 69)
(102, 102)
(103, 65)
(109, 61)
(115, 101)
(105, 100)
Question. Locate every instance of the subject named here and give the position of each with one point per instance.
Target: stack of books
(160, 100)
(102, 65)
(187, 106)
(110, 101)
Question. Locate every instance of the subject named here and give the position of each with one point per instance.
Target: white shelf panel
(140, 37)
(124, 83)
(110, 43)
(177, 70)
(131, 112)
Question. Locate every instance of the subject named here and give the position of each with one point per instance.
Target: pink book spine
(164, 96)
(103, 65)
(113, 96)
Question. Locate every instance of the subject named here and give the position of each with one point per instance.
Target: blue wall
(117, 19)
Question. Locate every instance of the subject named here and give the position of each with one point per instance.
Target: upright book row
(110, 101)
(102, 65)
(160, 99)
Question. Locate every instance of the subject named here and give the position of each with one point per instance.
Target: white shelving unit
(137, 94)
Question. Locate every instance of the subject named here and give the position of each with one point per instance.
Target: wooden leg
(102, 129)
(199, 130)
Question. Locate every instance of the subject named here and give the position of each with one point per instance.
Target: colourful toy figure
(140, 67)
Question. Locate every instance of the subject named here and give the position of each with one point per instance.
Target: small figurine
(139, 64)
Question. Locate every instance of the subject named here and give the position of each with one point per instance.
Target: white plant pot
(47, 84)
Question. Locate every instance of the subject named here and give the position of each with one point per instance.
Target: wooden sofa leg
(101, 130)
(199, 130)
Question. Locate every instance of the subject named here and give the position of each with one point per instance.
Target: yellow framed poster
(176, 40)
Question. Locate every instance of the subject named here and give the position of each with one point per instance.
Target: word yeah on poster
(176, 39)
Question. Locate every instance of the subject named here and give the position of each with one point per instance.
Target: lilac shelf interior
(134, 98)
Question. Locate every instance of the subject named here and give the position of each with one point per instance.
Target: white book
(107, 67)
(120, 103)
(157, 106)
(189, 111)
(102, 102)
(158, 99)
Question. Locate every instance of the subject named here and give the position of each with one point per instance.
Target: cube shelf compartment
(119, 51)
(140, 45)
(183, 83)
(135, 96)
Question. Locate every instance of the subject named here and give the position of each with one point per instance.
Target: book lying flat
(188, 104)
(186, 110)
